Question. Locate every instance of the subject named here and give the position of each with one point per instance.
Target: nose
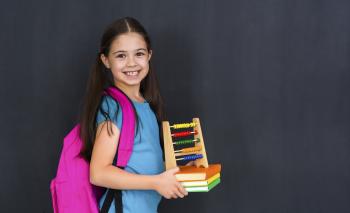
(131, 62)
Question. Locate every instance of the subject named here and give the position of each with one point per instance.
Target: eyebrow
(123, 51)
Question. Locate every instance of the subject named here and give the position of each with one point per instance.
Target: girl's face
(128, 59)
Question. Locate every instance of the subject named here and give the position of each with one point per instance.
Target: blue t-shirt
(145, 159)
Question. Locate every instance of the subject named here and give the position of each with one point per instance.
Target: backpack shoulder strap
(127, 132)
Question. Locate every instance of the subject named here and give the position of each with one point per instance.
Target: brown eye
(120, 56)
(140, 54)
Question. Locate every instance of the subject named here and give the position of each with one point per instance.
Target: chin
(131, 83)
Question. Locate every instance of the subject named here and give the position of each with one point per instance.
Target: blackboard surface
(269, 79)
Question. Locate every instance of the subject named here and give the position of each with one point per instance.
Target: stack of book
(199, 179)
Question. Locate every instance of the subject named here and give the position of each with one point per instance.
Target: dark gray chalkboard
(269, 79)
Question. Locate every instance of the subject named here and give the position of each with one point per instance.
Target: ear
(104, 60)
(150, 54)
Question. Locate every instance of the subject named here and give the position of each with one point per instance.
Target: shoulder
(108, 110)
(107, 102)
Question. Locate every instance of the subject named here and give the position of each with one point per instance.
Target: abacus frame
(169, 151)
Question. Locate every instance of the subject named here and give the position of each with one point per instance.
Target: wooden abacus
(196, 153)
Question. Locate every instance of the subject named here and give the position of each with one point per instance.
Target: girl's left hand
(167, 185)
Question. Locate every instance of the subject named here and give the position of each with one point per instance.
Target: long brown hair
(101, 77)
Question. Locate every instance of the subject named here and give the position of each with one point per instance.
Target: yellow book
(200, 183)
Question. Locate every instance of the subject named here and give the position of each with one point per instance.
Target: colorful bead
(183, 125)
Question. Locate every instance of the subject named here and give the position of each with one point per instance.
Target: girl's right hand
(168, 186)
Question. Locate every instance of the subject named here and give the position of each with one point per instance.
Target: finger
(178, 193)
(174, 195)
(182, 189)
(191, 163)
(174, 170)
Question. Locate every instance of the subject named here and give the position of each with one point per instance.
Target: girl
(124, 62)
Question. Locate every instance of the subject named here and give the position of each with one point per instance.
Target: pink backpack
(71, 189)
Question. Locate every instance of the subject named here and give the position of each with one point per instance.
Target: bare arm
(104, 173)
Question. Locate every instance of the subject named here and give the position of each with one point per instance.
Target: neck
(133, 92)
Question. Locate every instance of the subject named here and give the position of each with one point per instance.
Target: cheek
(118, 65)
(143, 63)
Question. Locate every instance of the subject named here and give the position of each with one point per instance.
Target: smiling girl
(123, 61)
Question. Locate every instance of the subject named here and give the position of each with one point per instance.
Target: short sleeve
(109, 109)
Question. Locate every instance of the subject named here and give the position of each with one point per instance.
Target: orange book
(187, 173)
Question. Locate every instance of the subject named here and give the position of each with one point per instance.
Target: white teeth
(131, 73)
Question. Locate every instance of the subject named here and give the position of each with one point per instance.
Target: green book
(203, 188)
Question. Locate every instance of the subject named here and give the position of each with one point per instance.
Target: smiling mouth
(131, 73)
